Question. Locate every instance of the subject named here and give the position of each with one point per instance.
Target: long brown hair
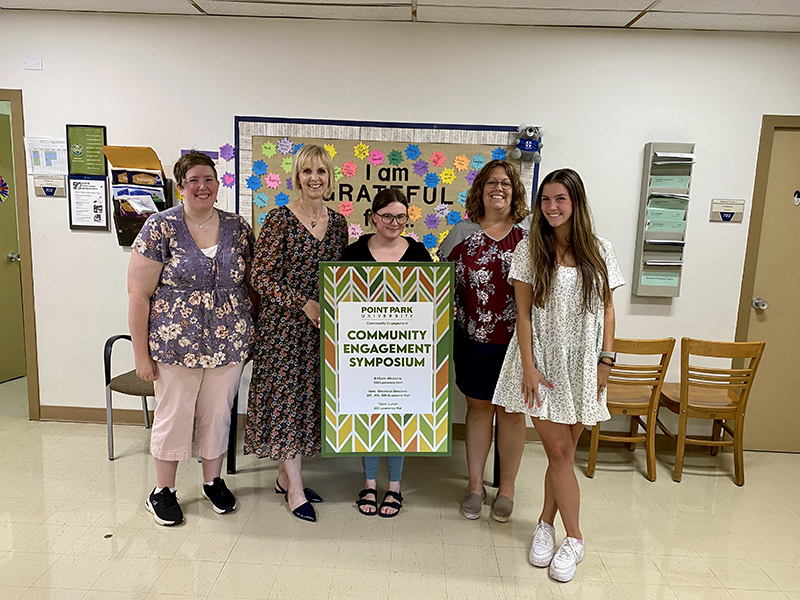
(474, 203)
(584, 243)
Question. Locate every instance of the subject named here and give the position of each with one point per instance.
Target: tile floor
(73, 526)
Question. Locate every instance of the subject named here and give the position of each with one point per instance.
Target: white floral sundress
(566, 342)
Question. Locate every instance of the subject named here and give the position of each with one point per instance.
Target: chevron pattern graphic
(386, 434)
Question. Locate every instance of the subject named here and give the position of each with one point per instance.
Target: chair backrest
(650, 375)
(737, 382)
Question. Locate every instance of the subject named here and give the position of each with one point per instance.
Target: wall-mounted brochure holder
(661, 234)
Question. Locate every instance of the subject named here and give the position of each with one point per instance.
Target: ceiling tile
(522, 16)
(667, 20)
(618, 5)
(311, 9)
(762, 7)
(172, 7)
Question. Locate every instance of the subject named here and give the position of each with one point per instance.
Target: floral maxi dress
(283, 412)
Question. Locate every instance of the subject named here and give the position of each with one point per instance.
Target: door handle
(759, 303)
(14, 256)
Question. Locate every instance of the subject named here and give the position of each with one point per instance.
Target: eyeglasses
(387, 218)
(506, 185)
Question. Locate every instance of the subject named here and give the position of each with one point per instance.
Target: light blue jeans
(395, 467)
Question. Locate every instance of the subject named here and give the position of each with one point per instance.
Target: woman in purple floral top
(481, 249)
(190, 319)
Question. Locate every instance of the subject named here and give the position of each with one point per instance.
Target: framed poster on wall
(88, 203)
(433, 164)
(386, 339)
(85, 150)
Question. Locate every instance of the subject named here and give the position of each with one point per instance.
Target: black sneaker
(164, 506)
(221, 497)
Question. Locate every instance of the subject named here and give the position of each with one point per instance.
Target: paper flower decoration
(337, 173)
(376, 157)
(412, 152)
(411, 234)
(420, 167)
(330, 149)
(429, 240)
(228, 180)
(471, 177)
(281, 199)
(477, 162)
(261, 218)
(261, 200)
(462, 198)
(432, 180)
(443, 235)
(414, 212)
(346, 208)
(273, 181)
(437, 159)
(227, 152)
(461, 162)
(268, 149)
(394, 158)
(297, 147)
(285, 146)
(260, 167)
(453, 217)
(441, 210)
(448, 176)
(432, 221)
(499, 154)
(361, 150)
(253, 182)
(289, 185)
(286, 164)
(354, 231)
(349, 168)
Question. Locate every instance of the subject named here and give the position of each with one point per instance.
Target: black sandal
(310, 494)
(396, 503)
(361, 502)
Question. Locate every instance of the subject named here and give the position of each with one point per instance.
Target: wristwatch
(610, 355)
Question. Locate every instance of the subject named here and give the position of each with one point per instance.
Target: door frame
(26, 263)
(769, 124)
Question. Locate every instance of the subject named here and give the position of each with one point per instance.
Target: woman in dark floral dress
(283, 413)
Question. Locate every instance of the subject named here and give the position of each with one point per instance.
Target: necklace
(308, 216)
(200, 224)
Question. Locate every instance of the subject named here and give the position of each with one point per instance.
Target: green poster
(386, 358)
(85, 149)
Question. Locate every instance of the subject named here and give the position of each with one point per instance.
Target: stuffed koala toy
(529, 144)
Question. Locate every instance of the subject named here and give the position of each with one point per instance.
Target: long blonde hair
(584, 243)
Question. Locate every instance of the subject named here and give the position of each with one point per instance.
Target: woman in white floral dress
(558, 362)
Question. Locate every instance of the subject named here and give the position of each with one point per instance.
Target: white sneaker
(562, 567)
(544, 545)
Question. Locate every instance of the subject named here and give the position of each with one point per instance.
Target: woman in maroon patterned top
(481, 249)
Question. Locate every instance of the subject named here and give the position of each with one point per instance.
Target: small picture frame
(88, 203)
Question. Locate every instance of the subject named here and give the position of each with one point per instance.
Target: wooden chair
(634, 390)
(712, 393)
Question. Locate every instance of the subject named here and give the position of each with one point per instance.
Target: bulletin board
(433, 164)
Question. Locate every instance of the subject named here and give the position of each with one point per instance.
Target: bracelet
(602, 362)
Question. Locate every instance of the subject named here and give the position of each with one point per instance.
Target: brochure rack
(661, 234)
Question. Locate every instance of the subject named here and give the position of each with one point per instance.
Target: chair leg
(650, 449)
(738, 453)
(680, 448)
(146, 413)
(716, 435)
(633, 432)
(593, 445)
(231, 458)
(109, 424)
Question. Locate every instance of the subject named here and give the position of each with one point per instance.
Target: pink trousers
(185, 396)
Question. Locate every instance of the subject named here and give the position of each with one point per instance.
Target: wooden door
(772, 273)
(12, 341)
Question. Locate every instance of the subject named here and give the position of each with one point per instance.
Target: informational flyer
(88, 204)
(46, 156)
(386, 354)
(85, 149)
